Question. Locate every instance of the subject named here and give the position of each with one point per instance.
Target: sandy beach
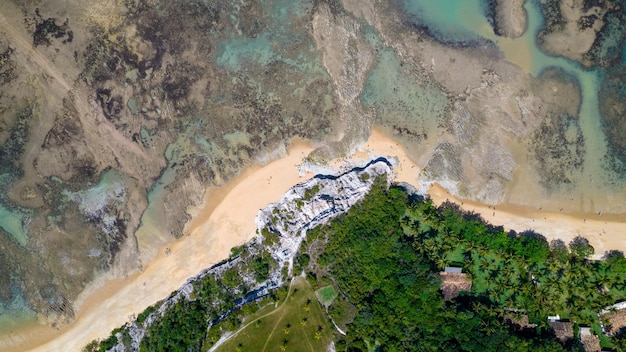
(226, 219)
(604, 232)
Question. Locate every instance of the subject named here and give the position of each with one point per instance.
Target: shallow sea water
(400, 100)
(465, 20)
(450, 20)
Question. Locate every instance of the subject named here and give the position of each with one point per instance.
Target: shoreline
(602, 231)
(226, 219)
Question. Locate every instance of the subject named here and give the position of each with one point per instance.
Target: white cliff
(305, 206)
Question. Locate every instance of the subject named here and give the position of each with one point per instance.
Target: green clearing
(326, 295)
(297, 324)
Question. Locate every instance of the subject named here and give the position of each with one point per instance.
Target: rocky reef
(590, 32)
(281, 228)
(116, 116)
(508, 18)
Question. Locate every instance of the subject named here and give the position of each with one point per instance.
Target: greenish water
(275, 43)
(399, 99)
(458, 20)
(15, 313)
(237, 51)
(450, 20)
(11, 221)
(13, 224)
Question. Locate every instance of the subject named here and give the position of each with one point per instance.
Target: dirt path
(44, 83)
(25, 48)
(234, 334)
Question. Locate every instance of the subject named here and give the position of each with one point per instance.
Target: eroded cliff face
(282, 227)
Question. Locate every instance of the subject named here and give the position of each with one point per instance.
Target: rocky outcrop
(508, 18)
(305, 206)
(315, 202)
(589, 32)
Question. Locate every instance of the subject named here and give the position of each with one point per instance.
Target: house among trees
(453, 282)
(519, 322)
(590, 342)
(562, 329)
(616, 320)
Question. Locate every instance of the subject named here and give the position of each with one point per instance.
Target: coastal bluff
(316, 201)
(281, 228)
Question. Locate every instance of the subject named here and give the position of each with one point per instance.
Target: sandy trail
(227, 219)
(26, 46)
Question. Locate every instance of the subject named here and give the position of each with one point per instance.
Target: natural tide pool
(459, 22)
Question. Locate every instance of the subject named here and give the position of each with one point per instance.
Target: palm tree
(442, 261)
(467, 264)
(482, 250)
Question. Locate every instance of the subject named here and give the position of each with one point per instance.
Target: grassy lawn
(298, 324)
(605, 341)
(326, 295)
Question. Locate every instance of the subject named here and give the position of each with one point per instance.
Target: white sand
(227, 220)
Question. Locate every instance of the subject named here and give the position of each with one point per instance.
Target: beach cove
(226, 219)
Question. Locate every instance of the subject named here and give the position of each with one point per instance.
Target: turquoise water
(275, 43)
(11, 221)
(237, 51)
(15, 313)
(466, 20)
(13, 224)
(450, 20)
(399, 99)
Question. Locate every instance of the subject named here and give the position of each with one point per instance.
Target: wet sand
(227, 219)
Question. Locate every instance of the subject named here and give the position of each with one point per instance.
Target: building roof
(453, 283)
(553, 318)
(519, 322)
(562, 330)
(584, 331)
(617, 320)
(453, 269)
(591, 343)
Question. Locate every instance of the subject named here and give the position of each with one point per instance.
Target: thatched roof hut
(453, 282)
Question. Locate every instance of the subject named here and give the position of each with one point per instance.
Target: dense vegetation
(184, 325)
(383, 259)
(385, 255)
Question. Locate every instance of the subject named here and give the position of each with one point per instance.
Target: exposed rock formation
(590, 32)
(305, 206)
(508, 17)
